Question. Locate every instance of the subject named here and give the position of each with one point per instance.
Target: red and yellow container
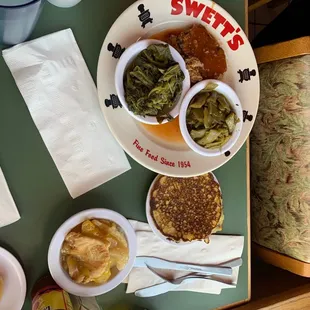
(46, 294)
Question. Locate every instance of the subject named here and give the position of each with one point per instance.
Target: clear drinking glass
(17, 19)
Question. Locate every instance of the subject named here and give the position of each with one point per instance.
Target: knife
(155, 262)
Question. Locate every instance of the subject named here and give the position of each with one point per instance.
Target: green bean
(212, 98)
(209, 137)
(197, 134)
(199, 101)
(230, 121)
(198, 115)
(207, 119)
(223, 104)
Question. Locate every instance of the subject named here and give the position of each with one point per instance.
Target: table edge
(241, 302)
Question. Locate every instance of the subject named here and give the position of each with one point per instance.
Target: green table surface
(42, 198)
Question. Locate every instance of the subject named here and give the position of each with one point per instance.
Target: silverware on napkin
(224, 270)
(169, 285)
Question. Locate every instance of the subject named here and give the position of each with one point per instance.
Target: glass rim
(12, 7)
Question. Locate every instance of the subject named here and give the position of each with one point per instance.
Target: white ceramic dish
(64, 3)
(126, 59)
(152, 224)
(62, 278)
(143, 19)
(235, 104)
(14, 289)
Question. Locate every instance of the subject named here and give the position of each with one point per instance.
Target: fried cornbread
(187, 209)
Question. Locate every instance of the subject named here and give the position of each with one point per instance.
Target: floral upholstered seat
(280, 158)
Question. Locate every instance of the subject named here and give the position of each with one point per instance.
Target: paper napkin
(222, 248)
(61, 96)
(8, 211)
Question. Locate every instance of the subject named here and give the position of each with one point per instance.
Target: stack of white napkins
(221, 249)
(61, 96)
(8, 211)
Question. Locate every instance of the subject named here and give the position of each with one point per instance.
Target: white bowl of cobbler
(92, 252)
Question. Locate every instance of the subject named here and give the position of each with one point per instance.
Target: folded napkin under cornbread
(61, 96)
(222, 248)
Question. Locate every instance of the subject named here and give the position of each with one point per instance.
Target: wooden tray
(280, 260)
(44, 202)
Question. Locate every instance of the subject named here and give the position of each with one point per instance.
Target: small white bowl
(234, 101)
(63, 279)
(152, 223)
(126, 59)
(64, 3)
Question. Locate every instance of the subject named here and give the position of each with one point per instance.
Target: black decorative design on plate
(247, 116)
(113, 101)
(227, 153)
(144, 16)
(245, 75)
(116, 50)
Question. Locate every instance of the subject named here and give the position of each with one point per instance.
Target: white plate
(152, 224)
(157, 154)
(13, 275)
(62, 278)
